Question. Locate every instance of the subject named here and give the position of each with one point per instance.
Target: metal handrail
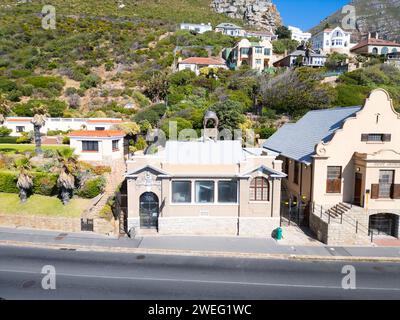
(325, 215)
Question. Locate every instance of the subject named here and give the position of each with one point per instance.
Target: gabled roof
(298, 140)
(228, 25)
(134, 174)
(202, 61)
(97, 133)
(375, 42)
(264, 169)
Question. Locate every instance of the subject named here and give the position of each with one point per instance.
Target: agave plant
(38, 121)
(24, 182)
(66, 179)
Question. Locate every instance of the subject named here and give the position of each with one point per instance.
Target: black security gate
(384, 223)
(149, 209)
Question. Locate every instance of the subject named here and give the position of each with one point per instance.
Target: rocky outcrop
(261, 14)
(382, 16)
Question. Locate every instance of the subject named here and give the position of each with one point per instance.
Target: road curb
(193, 253)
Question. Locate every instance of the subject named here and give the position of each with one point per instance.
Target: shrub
(8, 182)
(92, 188)
(4, 131)
(106, 212)
(65, 140)
(8, 139)
(100, 170)
(90, 81)
(45, 183)
(25, 138)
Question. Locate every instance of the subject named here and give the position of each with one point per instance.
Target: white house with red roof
(373, 45)
(24, 124)
(104, 146)
(195, 64)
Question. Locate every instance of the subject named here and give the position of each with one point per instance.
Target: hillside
(99, 57)
(382, 16)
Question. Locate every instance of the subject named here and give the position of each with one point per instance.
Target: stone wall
(61, 224)
(212, 226)
(226, 226)
(258, 227)
(336, 234)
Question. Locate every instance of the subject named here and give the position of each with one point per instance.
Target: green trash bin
(279, 233)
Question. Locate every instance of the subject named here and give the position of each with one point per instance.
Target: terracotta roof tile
(19, 119)
(375, 42)
(97, 133)
(200, 60)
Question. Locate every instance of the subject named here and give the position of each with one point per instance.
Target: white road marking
(265, 284)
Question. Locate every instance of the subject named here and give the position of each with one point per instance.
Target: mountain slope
(382, 16)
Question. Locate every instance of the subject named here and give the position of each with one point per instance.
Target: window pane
(181, 191)
(90, 146)
(334, 173)
(204, 191)
(227, 191)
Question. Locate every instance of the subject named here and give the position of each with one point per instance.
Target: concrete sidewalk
(229, 246)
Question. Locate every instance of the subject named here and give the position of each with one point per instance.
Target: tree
(229, 114)
(295, 92)
(66, 179)
(283, 32)
(24, 182)
(4, 109)
(38, 121)
(157, 87)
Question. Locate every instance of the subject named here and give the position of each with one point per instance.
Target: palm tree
(308, 50)
(24, 182)
(66, 179)
(38, 121)
(4, 109)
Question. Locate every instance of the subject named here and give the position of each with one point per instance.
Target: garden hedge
(8, 140)
(43, 183)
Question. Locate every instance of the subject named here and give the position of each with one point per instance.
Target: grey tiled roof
(297, 141)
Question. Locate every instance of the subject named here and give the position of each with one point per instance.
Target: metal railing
(327, 216)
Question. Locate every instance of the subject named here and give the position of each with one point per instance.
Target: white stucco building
(24, 124)
(195, 64)
(230, 29)
(196, 27)
(299, 35)
(332, 40)
(374, 45)
(103, 146)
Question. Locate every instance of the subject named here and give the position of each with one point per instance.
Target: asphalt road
(91, 275)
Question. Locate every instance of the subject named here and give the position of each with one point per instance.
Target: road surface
(94, 275)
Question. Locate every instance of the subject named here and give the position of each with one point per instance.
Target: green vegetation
(355, 86)
(41, 206)
(92, 188)
(16, 148)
